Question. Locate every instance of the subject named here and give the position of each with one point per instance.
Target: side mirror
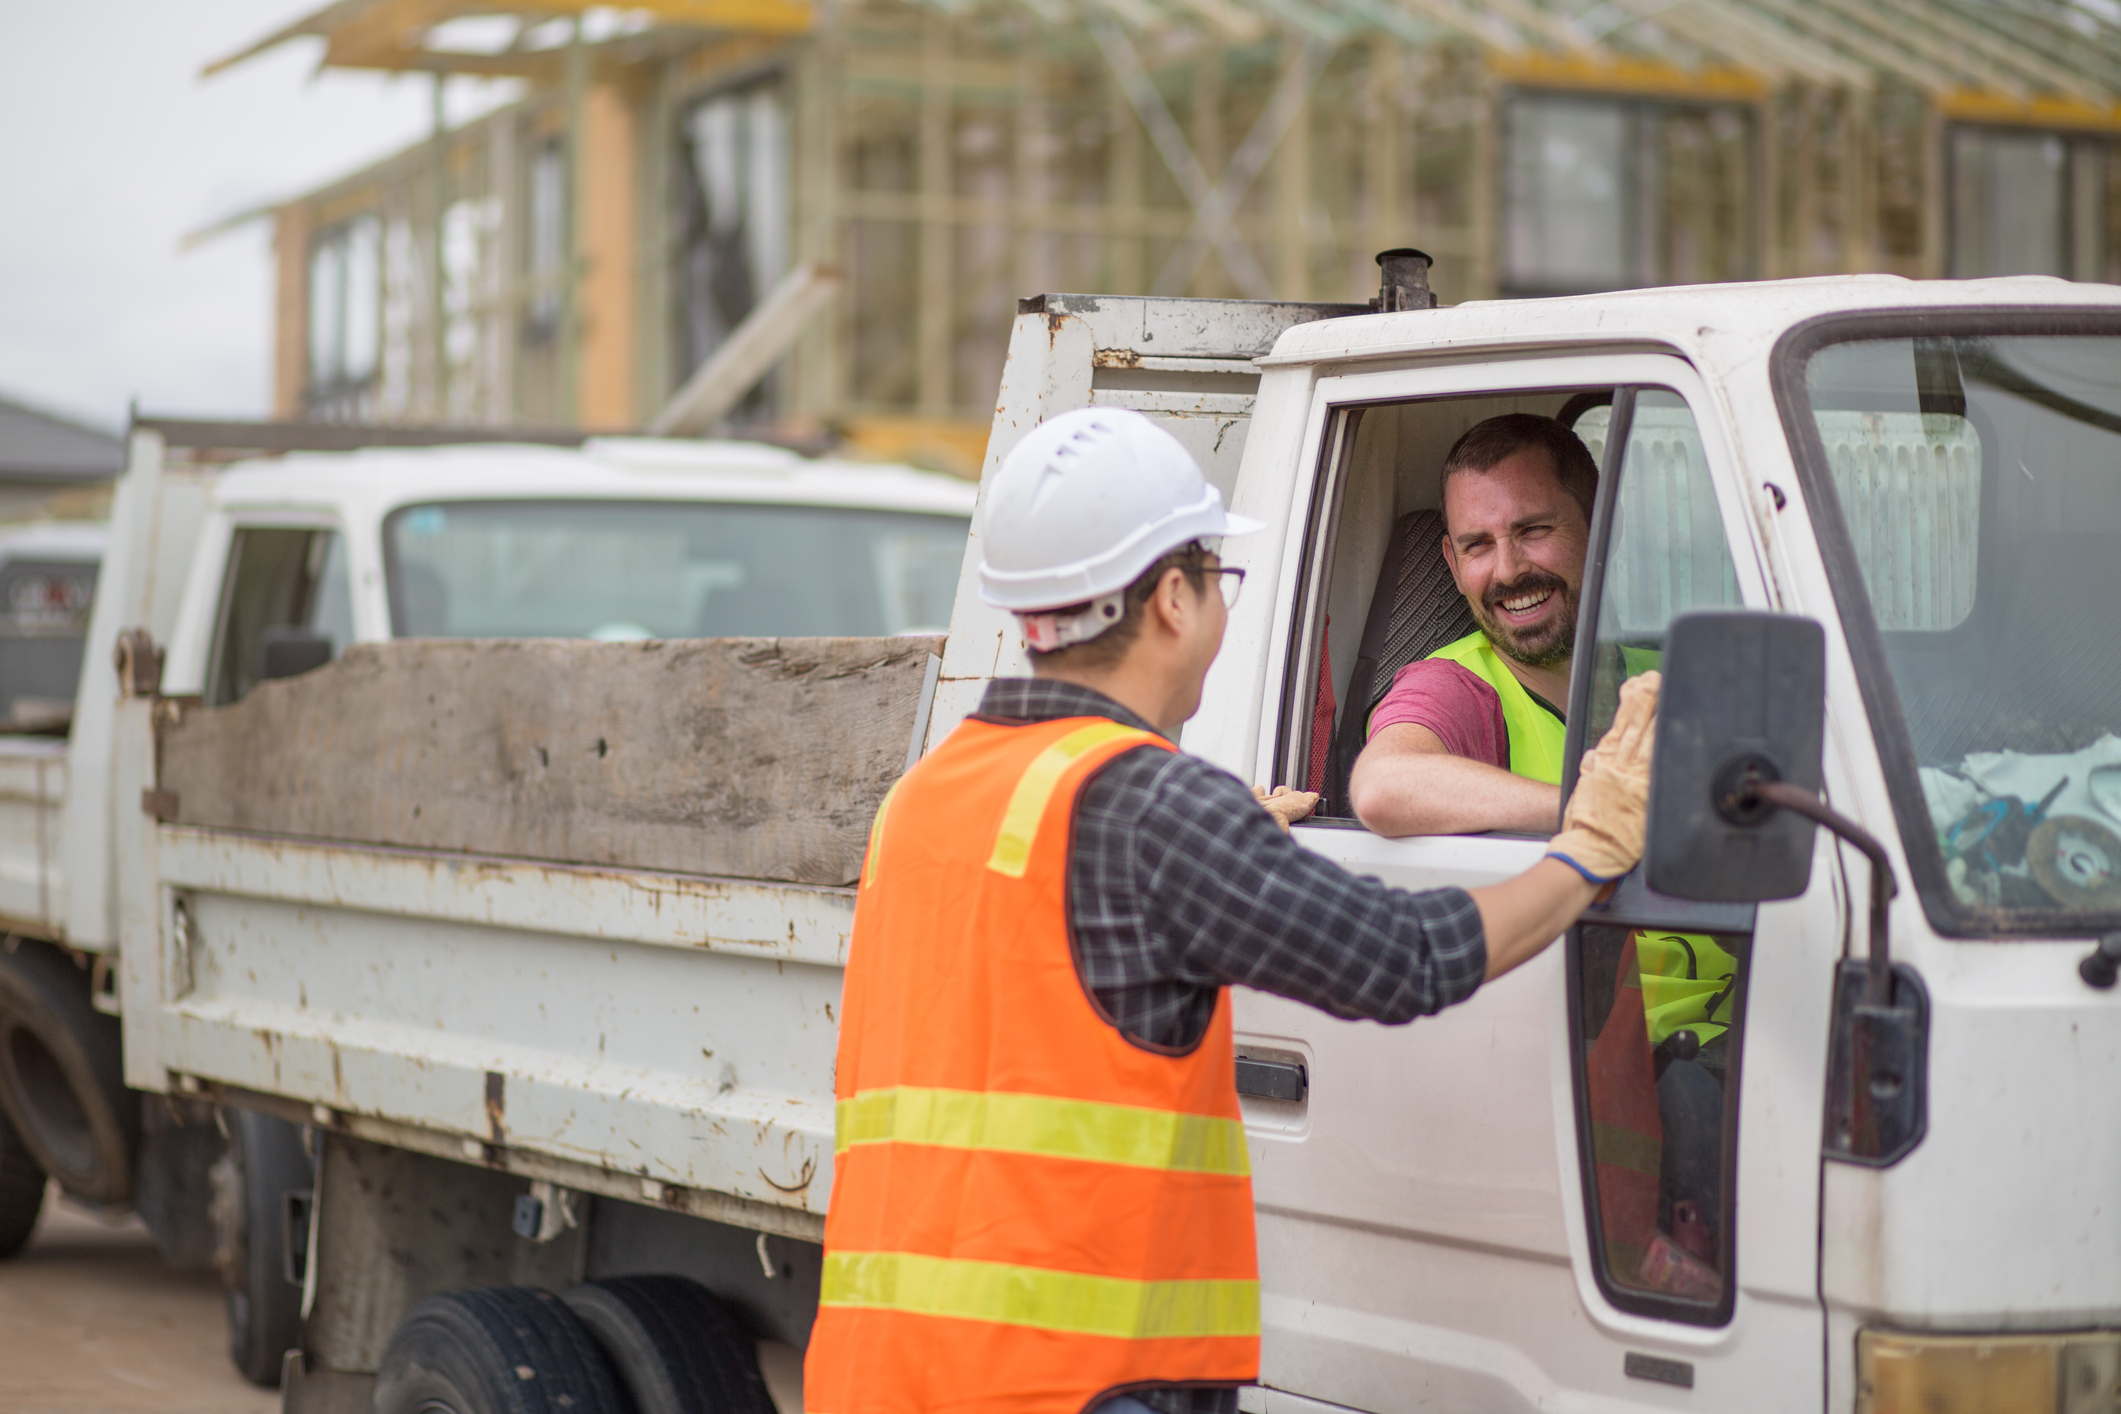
(1743, 704)
(285, 652)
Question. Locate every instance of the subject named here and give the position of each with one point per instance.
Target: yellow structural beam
(2050, 111)
(775, 16)
(1615, 74)
(392, 34)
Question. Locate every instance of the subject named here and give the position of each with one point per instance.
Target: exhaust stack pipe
(1405, 282)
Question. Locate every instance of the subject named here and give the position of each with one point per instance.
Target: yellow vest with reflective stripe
(1687, 981)
(1536, 735)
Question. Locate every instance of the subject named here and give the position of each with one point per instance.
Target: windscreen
(1980, 479)
(620, 570)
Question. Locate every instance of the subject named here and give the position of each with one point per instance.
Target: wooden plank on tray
(756, 758)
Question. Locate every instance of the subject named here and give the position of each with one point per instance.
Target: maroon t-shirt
(1451, 701)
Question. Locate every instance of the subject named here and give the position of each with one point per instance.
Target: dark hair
(1487, 443)
(1110, 646)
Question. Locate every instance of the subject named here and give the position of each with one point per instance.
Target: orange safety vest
(1029, 1211)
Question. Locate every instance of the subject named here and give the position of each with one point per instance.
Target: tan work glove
(1285, 805)
(1601, 831)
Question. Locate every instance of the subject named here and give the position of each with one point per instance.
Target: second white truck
(263, 552)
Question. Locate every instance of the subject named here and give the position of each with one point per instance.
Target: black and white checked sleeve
(1241, 900)
(1178, 884)
(1182, 884)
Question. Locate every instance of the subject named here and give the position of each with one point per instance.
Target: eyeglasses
(1233, 582)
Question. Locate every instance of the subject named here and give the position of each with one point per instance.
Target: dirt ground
(91, 1322)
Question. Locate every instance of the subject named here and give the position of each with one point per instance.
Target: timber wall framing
(949, 164)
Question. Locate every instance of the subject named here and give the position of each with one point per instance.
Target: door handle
(1272, 1080)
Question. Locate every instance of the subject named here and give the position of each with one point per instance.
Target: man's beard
(1544, 645)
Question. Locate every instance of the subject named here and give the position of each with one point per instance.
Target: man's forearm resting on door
(1407, 783)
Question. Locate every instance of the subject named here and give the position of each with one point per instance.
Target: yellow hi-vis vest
(1536, 734)
(1686, 977)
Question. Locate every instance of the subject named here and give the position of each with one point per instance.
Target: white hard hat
(1085, 503)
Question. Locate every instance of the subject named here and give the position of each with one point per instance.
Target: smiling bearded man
(1470, 738)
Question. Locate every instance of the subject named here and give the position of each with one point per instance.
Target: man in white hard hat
(1041, 1199)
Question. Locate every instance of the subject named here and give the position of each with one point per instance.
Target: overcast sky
(115, 149)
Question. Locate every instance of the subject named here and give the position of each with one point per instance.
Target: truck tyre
(21, 1190)
(676, 1346)
(264, 1162)
(62, 1080)
(496, 1350)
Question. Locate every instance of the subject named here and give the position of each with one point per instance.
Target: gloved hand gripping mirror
(1744, 703)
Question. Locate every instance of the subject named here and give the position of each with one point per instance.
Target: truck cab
(1478, 1209)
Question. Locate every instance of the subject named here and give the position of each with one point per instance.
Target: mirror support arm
(1877, 1086)
(1883, 886)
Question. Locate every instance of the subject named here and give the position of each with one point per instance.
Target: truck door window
(277, 578)
(1658, 993)
(44, 609)
(1665, 551)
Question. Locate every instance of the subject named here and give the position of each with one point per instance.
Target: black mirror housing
(1743, 702)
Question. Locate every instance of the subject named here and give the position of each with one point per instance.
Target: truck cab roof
(73, 542)
(1692, 319)
(605, 468)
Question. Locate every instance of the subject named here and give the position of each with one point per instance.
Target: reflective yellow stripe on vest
(1043, 1125)
(1637, 1153)
(1071, 1302)
(1034, 791)
(1537, 736)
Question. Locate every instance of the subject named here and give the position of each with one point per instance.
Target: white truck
(543, 942)
(260, 551)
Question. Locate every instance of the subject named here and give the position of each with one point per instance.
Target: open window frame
(1580, 382)
(1634, 905)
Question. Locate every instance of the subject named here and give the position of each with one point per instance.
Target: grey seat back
(1415, 610)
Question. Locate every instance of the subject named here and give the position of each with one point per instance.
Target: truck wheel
(265, 1161)
(62, 1080)
(677, 1347)
(495, 1350)
(21, 1190)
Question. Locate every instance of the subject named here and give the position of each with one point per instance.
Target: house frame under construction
(574, 256)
